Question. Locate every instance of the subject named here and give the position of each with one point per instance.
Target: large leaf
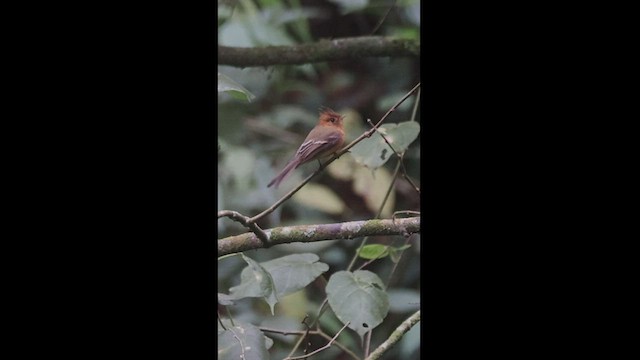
(358, 298)
(294, 272)
(374, 151)
(243, 341)
(255, 281)
(225, 84)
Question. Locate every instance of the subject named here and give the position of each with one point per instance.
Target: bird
(326, 138)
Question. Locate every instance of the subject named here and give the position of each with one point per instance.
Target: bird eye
(332, 120)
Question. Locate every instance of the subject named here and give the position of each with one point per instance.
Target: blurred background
(256, 138)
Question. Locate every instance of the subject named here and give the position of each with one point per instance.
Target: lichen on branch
(311, 233)
(353, 48)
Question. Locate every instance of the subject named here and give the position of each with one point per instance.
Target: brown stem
(234, 215)
(328, 345)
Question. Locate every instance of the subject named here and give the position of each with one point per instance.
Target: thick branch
(311, 233)
(395, 336)
(354, 48)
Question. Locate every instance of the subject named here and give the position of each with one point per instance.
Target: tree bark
(354, 48)
(310, 233)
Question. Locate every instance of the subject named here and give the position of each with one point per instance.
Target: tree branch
(354, 48)
(311, 233)
(395, 336)
(328, 345)
(245, 221)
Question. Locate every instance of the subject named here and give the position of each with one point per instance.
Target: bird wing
(312, 148)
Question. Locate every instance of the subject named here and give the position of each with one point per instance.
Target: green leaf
(225, 84)
(294, 272)
(374, 151)
(243, 341)
(374, 251)
(255, 281)
(359, 299)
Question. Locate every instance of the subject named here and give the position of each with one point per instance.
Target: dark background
(121, 259)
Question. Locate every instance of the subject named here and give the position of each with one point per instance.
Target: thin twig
(367, 263)
(242, 356)
(415, 106)
(395, 336)
(321, 311)
(287, 332)
(372, 260)
(384, 17)
(306, 334)
(244, 220)
(394, 107)
(316, 320)
(384, 138)
(311, 332)
(230, 317)
(367, 343)
(338, 344)
(296, 346)
(328, 345)
(220, 320)
(407, 177)
(413, 118)
(395, 263)
(407, 212)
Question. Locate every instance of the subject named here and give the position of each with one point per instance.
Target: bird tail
(283, 174)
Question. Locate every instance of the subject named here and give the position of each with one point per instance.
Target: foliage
(359, 299)
(263, 116)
